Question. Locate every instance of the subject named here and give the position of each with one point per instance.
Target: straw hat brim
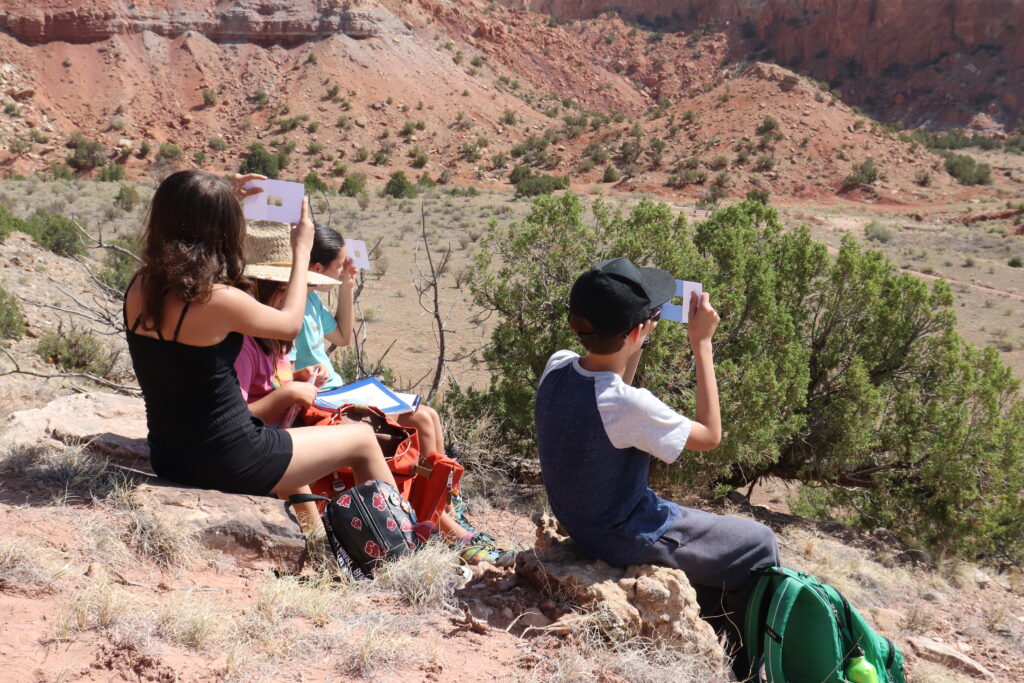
(283, 273)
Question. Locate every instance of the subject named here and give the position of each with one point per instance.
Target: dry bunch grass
(588, 656)
(22, 562)
(72, 474)
(426, 580)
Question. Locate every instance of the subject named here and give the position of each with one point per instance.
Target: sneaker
(475, 553)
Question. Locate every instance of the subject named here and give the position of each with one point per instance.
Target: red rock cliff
(924, 61)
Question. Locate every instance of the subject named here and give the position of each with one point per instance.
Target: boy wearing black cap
(596, 434)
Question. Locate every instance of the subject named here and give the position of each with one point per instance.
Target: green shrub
(9, 223)
(55, 232)
(260, 98)
(118, 267)
(60, 171)
(758, 195)
(12, 322)
(400, 187)
(314, 183)
(144, 149)
(217, 144)
(259, 160)
(839, 371)
(764, 162)
(209, 98)
(863, 174)
(1015, 262)
(419, 157)
(354, 184)
(126, 198)
(508, 117)
(769, 124)
(876, 232)
(74, 351)
(923, 178)
(611, 174)
(168, 153)
(968, 171)
(85, 153)
(534, 185)
(199, 157)
(111, 173)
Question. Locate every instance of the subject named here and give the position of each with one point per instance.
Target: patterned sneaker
(475, 553)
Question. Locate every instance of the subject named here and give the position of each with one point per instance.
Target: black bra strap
(181, 319)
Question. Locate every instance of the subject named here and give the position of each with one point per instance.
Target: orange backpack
(425, 481)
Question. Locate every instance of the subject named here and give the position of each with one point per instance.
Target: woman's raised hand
(302, 232)
(239, 181)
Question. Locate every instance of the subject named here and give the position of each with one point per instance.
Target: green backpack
(803, 631)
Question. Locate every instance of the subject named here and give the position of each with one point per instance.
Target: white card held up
(358, 253)
(280, 201)
(677, 313)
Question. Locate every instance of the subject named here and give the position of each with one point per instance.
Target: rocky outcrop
(647, 601)
(249, 527)
(918, 60)
(253, 21)
(940, 653)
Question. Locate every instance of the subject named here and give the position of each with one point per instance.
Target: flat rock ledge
(652, 602)
(251, 528)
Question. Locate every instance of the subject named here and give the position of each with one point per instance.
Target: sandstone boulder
(647, 601)
(110, 424)
(949, 657)
(249, 527)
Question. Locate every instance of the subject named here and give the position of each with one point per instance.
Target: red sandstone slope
(917, 61)
(134, 75)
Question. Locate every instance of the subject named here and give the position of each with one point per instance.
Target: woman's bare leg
(306, 513)
(318, 451)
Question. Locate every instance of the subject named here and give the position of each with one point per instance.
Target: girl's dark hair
(327, 244)
(193, 240)
(265, 291)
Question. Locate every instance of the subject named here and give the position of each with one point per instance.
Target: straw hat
(268, 253)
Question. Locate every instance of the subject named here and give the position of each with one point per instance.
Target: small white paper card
(280, 201)
(358, 253)
(677, 313)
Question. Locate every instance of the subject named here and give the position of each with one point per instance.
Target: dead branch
(122, 388)
(98, 243)
(427, 288)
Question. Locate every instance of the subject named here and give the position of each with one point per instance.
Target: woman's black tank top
(193, 403)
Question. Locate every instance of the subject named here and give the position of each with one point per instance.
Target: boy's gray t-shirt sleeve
(636, 418)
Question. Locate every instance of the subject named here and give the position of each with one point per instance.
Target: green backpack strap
(754, 620)
(802, 640)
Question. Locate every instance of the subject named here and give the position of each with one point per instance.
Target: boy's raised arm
(706, 429)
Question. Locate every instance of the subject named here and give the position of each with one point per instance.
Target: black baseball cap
(614, 296)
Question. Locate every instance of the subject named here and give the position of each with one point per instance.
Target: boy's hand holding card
(684, 290)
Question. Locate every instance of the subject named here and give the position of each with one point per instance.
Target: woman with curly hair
(189, 306)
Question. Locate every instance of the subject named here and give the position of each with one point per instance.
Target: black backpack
(367, 525)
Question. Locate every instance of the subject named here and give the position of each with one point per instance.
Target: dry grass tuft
(426, 579)
(148, 534)
(102, 606)
(22, 562)
(189, 621)
(71, 473)
(588, 656)
(926, 672)
(382, 643)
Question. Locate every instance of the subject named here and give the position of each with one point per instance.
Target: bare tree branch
(427, 286)
(122, 388)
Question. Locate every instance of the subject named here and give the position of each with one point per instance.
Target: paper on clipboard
(358, 253)
(280, 201)
(370, 392)
(677, 313)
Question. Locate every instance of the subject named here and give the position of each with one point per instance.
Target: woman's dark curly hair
(194, 235)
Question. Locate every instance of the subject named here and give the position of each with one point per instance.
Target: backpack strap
(301, 498)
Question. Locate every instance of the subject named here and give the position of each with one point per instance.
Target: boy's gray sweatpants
(717, 551)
